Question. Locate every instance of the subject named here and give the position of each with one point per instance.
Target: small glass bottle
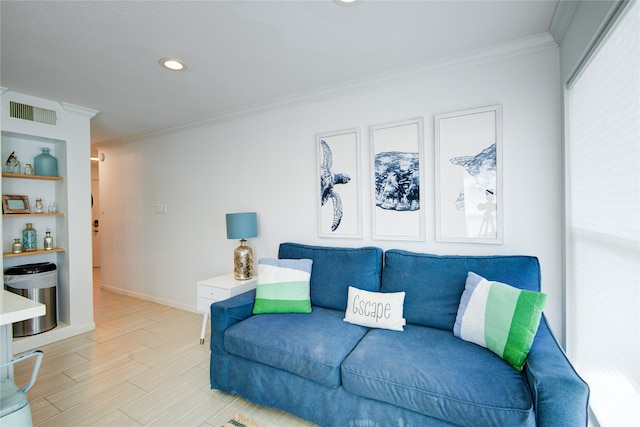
(16, 247)
(48, 241)
(28, 169)
(39, 208)
(29, 239)
(52, 208)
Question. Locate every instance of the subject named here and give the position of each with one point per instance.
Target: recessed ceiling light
(173, 64)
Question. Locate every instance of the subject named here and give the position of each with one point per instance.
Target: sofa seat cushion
(311, 345)
(432, 372)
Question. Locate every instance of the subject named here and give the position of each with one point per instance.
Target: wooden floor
(142, 366)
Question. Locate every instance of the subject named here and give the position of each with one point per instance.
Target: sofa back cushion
(434, 284)
(335, 269)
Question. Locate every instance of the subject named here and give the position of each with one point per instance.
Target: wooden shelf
(35, 214)
(23, 176)
(38, 252)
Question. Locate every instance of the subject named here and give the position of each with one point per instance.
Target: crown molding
(562, 17)
(71, 108)
(536, 42)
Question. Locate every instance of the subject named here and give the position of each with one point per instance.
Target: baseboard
(60, 332)
(151, 298)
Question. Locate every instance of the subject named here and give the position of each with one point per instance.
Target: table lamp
(242, 226)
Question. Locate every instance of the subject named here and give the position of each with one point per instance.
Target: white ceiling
(240, 54)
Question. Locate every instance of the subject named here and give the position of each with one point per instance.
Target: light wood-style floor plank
(142, 366)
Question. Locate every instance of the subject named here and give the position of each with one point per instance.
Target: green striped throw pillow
(283, 286)
(499, 317)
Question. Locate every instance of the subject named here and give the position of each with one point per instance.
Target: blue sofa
(335, 373)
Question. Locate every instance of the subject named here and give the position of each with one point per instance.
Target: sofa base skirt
(306, 399)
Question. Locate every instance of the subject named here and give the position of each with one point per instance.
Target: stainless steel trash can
(38, 282)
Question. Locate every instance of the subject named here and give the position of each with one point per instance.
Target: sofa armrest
(226, 313)
(560, 396)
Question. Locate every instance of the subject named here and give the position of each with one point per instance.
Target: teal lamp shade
(242, 226)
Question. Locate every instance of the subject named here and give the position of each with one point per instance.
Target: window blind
(603, 223)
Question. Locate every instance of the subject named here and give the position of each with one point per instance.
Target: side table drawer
(212, 293)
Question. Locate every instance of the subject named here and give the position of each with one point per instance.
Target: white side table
(218, 289)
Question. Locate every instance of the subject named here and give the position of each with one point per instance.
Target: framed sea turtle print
(339, 184)
(398, 201)
(468, 150)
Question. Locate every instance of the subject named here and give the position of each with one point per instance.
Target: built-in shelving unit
(67, 138)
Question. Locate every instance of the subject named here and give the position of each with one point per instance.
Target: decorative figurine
(39, 207)
(12, 165)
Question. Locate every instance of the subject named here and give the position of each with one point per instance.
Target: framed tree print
(397, 172)
(339, 184)
(468, 149)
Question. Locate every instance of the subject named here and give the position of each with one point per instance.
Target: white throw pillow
(375, 309)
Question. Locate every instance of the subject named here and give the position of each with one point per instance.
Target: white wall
(266, 162)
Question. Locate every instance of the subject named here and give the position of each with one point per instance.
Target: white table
(218, 289)
(14, 308)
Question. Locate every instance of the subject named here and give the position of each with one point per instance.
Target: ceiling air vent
(32, 113)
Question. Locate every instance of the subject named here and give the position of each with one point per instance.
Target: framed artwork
(12, 204)
(397, 187)
(468, 149)
(339, 193)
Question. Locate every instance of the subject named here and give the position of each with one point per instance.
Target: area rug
(240, 421)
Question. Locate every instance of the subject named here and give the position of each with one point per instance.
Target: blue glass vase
(45, 164)
(29, 239)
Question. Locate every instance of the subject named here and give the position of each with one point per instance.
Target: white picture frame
(339, 184)
(468, 170)
(397, 168)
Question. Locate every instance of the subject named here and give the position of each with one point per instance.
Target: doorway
(95, 209)
(95, 223)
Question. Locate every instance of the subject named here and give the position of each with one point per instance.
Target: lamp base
(243, 262)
